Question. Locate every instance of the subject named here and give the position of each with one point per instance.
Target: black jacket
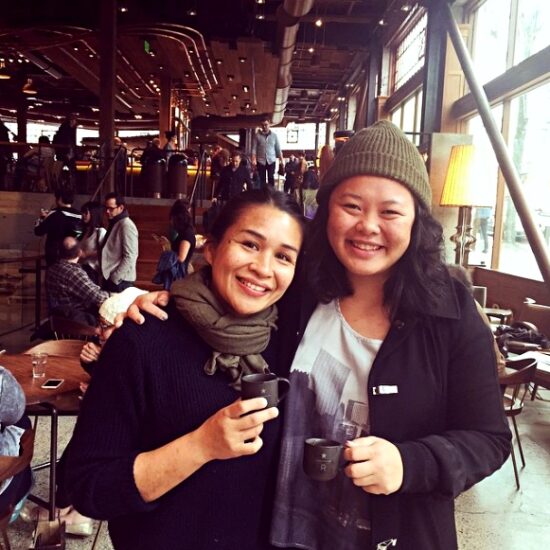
(61, 222)
(446, 418)
(232, 181)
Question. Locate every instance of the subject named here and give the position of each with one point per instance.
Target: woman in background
(94, 233)
(178, 247)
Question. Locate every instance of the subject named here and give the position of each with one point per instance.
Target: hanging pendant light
(4, 75)
(28, 88)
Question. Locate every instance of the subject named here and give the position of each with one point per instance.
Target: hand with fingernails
(375, 465)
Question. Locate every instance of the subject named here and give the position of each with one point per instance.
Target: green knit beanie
(379, 150)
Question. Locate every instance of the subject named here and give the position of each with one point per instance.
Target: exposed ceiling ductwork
(288, 17)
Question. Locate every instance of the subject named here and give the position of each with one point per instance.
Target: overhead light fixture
(253, 110)
(341, 98)
(260, 16)
(382, 23)
(191, 51)
(311, 49)
(4, 75)
(123, 9)
(219, 61)
(245, 88)
(247, 105)
(242, 59)
(319, 22)
(234, 96)
(406, 7)
(75, 48)
(28, 88)
(260, 1)
(230, 77)
(192, 12)
(186, 74)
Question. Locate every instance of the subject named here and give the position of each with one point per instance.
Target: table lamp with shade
(461, 190)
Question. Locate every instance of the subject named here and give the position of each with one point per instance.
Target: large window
(492, 23)
(410, 53)
(407, 116)
(529, 144)
(507, 32)
(533, 28)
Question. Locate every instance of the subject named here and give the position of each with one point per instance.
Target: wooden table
(64, 400)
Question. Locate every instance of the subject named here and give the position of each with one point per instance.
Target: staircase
(150, 216)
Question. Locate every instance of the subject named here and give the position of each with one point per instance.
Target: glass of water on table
(39, 363)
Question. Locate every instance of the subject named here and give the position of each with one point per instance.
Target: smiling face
(369, 225)
(254, 263)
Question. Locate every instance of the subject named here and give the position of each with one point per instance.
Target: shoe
(77, 524)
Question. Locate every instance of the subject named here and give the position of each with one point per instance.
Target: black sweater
(148, 389)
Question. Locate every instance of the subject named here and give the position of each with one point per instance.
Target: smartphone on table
(52, 383)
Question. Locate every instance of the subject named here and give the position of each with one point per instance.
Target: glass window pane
(491, 39)
(410, 52)
(485, 173)
(533, 28)
(529, 139)
(408, 115)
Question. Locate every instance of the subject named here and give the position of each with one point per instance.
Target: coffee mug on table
(321, 458)
(274, 388)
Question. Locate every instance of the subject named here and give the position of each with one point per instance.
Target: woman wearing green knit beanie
(389, 359)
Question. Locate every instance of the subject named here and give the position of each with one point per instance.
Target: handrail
(107, 173)
(37, 259)
(201, 170)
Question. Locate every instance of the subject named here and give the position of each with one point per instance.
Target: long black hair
(96, 216)
(416, 280)
(179, 216)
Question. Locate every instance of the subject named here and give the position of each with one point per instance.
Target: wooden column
(375, 62)
(165, 107)
(436, 45)
(107, 67)
(22, 117)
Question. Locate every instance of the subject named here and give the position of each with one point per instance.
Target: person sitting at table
(13, 423)
(161, 419)
(71, 292)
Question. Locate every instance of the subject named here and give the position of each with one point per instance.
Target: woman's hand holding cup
(234, 430)
(375, 465)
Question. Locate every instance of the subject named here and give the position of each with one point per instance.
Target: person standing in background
(119, 250)
(265, 152)
(60, 222)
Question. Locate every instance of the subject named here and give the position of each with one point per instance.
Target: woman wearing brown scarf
(164, 448)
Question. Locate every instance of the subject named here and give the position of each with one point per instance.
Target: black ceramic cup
(321, 458)
(274, 388)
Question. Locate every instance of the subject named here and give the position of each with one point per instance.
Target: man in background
(119, 251)
(265, 152)
(60, 222)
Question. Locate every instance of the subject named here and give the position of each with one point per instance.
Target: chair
(539, 316)
(517, 385)
(64, 348)
(10, 466)
(66, 328)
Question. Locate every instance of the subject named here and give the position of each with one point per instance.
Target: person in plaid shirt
(71, 293)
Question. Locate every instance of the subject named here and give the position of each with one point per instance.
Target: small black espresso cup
(274, 388)
(321, 458)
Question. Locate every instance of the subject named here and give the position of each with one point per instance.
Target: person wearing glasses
(119, 250)
(265, 152)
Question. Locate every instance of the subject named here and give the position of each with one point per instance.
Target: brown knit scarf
(236, 342)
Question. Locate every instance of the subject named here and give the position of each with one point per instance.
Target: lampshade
(28, 87)
(461, 187)
(4, 74)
